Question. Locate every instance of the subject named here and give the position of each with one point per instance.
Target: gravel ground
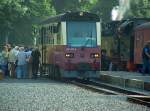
(45, 95)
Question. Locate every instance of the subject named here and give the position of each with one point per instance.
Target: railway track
(102, 88)
(143, 100)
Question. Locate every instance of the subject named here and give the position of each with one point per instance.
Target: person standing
(21, 63)
(105, 60)
(12, 60)
(1, 61)
(29, 63)
(146, 58)
(4, 60)
(35, 62)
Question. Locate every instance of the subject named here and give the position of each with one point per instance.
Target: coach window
(58, 34)
(50, 35)
(43, 34)
(39, 40)
(54, 37)
(46, 38)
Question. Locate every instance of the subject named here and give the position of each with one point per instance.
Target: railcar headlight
(81, 13)
(95, 55)
(69, 55)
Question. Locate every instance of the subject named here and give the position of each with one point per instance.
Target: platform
(130, 80)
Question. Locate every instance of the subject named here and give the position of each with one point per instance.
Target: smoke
(115, 12)
(119, 11)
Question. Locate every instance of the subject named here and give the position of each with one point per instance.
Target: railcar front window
(81, 34)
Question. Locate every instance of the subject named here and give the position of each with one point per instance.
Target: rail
(103, 88)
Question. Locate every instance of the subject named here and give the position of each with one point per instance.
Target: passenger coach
(70, 45)
(142, 36)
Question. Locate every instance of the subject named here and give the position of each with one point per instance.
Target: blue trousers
(146, 66)
(21, 71)
(5, 69)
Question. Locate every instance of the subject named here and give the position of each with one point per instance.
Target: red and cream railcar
(71, 45)
(142, 35)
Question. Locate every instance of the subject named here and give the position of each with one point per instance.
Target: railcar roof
(72, 16)
(143, 26)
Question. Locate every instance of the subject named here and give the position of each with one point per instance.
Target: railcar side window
(49, 34)
(58, 34)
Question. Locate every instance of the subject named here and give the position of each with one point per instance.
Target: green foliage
(101, 7)
(39, 8)
(104, 7)
(139, 8)
(87, 5)
(18, 16)
(9, 12)
(63, 6)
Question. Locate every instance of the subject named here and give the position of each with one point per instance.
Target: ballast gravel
(46, 95)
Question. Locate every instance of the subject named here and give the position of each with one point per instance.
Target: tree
(103, 8)
(87, 5)
(9, 12)
(18, 16)
(139, 8)
(63, 6)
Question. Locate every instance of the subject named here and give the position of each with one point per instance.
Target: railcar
(70, 45)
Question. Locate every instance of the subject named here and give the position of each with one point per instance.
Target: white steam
(119, 11)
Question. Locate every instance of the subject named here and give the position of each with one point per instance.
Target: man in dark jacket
(146, 58)
(35, 62)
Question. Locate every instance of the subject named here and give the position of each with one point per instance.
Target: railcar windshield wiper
(87, 41)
